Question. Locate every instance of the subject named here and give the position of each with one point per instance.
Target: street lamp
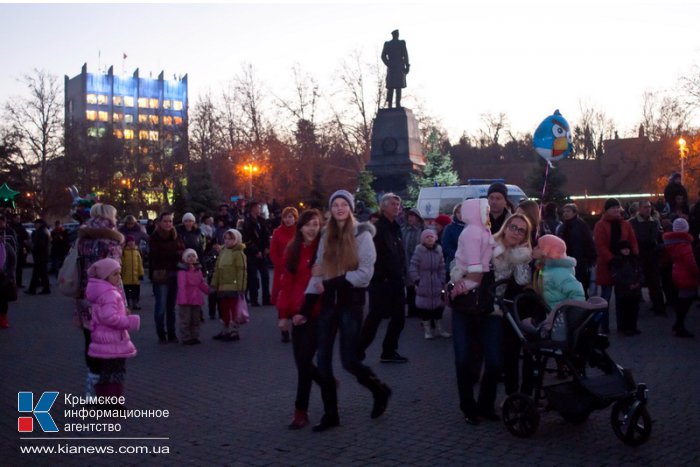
(683, 149)
(251, 169)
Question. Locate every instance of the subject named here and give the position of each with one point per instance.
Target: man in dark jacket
(256, 237)
(579, 243)
(648, 232)
(22, 245)
(386, 289)
(497, 195)
(41, 248)
(60, 245)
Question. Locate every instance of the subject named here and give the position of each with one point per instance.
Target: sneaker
(393, 358)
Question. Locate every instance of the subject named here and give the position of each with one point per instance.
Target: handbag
(159, 276)
(478, 301)
(69, 274)
(242, 316)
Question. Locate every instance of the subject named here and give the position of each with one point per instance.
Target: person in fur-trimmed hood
(474, 247)
(558, 279)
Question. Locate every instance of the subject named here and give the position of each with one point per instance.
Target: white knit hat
(188, 217)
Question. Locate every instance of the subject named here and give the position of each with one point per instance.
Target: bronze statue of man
(395, 57)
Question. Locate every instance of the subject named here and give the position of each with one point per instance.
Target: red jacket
(601, 237)
(280, 239)
(685, 271)
(293, 285)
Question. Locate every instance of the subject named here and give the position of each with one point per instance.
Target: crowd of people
(326, 265)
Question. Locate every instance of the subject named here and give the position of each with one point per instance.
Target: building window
(166, 104)
(167, 120)
(153, 119)
(91, 98)
(128, 134)
(117, 100)
(119, 134)
(143, 134)
(95, 132)
(128, 101)
(143, 118)
(128, 118)
(153, 103)
(153, 135)
(177, 105)
(143, 103)
(103, 116)
(91, 115)
(178, 120)
(117, 117)
(102, 99)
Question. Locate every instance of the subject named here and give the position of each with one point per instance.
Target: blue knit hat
(346, 195)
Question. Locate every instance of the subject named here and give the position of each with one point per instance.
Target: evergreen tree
(438, 171)
(365, 193)
(180, 205)
(555, 183)
(203, 194)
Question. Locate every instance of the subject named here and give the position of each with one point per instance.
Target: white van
(433, 201)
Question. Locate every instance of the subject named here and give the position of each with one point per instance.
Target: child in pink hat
(555, 278)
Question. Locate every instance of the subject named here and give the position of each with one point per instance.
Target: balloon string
(544, 190)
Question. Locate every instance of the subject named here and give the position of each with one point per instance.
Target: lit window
(178, 120)
(92, 132)
(128, 101)
(167, 120)
(128, 134)
(103, 116)
(91, 98)
(143, 118)
(143, 102)
(153, 135)
(102, 99)
(91, 115)
(153, 119)
(117, 117)
(177, 105)
(117, 100)
(153, 103)
(166, 104)
(143, 134)
(128, 118)
(119, 134)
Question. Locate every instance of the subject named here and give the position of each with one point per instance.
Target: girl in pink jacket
(191, 289)
(110, 325)
(474, 247)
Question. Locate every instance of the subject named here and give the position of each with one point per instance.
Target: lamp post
(250, 169)
(682, 148)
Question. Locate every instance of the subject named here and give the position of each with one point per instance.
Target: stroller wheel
(631, 422)
(520, 415)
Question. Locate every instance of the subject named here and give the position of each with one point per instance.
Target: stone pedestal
(396, 151)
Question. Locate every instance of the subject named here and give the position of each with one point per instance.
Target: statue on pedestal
(395, 57)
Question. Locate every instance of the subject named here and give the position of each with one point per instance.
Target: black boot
(327, 421)
(381, 394)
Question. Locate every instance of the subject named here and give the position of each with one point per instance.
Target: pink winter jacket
(110, 324)
(475, 244)
(190, 286)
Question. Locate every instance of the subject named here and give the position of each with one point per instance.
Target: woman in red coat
(686, 276)
(299, 257)
(280, 239)
(607, 233)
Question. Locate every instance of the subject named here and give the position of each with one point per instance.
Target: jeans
(386, 300)
(304, 339)
(258, 266)
(164, 312)
(606, 293)
(347, 320)
(488, 331)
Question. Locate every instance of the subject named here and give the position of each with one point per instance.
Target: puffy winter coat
(427, 271)
(281, 237)
(132, 266)
(230, 272)
(559, 281)
(475, 245)
(191, 285)
(684, 270)
(450, 238)
(601, 236)
(110, 324)
(511, 262)
(293, 284)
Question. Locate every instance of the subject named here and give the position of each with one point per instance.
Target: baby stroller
(568, 336)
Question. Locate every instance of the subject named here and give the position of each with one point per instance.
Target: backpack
(69, 274)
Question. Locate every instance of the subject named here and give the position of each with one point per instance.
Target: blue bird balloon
(552, 139)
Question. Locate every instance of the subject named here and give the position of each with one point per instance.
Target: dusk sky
(521, 58)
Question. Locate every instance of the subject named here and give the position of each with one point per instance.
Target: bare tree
(494, 126)
(663, 116)
(206, 130)
(37, 121)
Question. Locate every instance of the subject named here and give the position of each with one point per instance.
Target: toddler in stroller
(568, 336)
